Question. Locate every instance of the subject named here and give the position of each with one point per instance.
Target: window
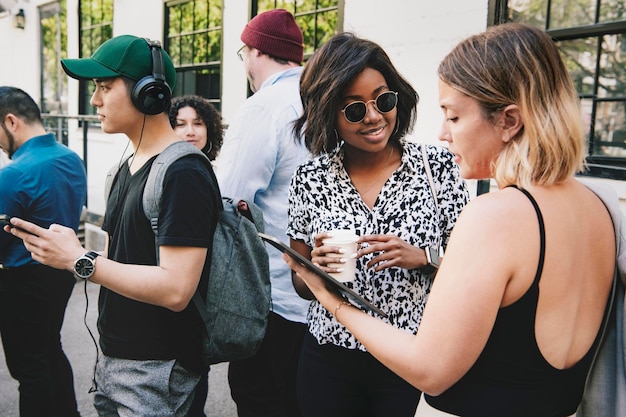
(194, 31)
(318, 19)
(194, 42)
(53, 42)
(591, 35)
(53, 32)
(96, 27)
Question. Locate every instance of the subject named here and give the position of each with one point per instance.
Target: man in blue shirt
(256, 162)
(45, 183)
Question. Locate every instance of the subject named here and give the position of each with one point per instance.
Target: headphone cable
(94, 384)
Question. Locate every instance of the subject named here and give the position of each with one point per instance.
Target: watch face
(84, 267)
(434, 256)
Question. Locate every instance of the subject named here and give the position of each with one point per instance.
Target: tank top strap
(542, 233)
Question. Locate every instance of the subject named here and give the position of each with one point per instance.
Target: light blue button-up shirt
(256, 162)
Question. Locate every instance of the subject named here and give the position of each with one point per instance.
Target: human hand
(315, 283)
(58, 246)
(324, 254)
(392, 252)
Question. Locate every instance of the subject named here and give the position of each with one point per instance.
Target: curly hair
(209, 115)
(550, 147)
(327, 75)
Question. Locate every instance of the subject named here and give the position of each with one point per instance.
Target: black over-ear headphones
(152, 94)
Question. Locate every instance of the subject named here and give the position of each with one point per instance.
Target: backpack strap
(154, 185)
(110, 179)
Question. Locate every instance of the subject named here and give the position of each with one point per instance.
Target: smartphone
(5, 220)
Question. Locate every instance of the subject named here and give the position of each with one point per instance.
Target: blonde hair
(518, 64)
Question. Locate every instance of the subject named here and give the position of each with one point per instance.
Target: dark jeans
(338, 382)
(33, 299)
(265, 384)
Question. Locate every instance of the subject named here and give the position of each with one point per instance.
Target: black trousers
(200, 396)
(265, 384)
(33, 299)
(338, 382)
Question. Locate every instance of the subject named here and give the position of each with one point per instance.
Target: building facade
(202, 36)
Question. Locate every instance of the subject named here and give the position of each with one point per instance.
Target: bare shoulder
(491, 231)
(494, 210)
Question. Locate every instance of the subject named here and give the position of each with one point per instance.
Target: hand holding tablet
(350, 294)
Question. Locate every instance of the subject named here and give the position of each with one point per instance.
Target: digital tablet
(352, 296)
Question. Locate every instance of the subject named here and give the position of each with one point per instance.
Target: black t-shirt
(188, 215)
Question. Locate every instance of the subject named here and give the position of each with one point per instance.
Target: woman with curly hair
(197, 121)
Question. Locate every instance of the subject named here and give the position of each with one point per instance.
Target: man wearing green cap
(149, 332)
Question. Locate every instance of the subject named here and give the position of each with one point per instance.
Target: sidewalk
(81, 352)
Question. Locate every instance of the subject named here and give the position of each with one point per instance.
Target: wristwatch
(85, 266)
(432, 260)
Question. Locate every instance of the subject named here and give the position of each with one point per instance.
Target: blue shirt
(256, 162)
(45, 183)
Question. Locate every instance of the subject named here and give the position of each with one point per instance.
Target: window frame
(184, 70)
(53, 83)
(299, 14)
(85, 87)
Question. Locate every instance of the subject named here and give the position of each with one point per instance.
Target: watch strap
(92, 255)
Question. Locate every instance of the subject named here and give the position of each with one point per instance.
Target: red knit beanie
(275, 33)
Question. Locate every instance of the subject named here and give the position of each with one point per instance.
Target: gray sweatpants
(151, 388)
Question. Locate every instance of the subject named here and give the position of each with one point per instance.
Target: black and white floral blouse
(322, 197)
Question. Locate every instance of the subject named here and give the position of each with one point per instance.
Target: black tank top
(511, 377)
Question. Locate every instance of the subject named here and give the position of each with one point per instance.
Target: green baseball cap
(125, 55)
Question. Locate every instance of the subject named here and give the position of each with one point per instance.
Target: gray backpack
(236, 303)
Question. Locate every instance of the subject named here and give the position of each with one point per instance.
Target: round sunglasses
(385, 102)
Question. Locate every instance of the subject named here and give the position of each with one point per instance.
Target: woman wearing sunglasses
(367, 177)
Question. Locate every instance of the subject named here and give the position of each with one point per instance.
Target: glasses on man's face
(240, 53)
(385, 102)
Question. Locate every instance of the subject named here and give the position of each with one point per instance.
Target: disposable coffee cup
(346, 240)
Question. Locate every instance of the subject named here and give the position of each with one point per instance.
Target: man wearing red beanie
(256, 162)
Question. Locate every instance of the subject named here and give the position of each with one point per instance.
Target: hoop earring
(336, 142)
(210, 147)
